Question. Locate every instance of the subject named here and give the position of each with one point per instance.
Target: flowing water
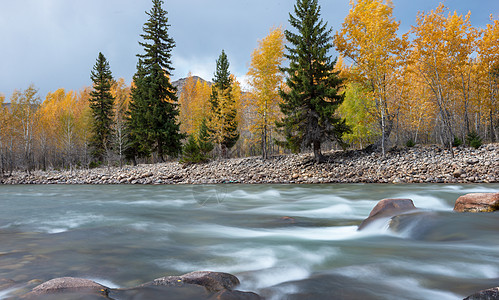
(282, 241)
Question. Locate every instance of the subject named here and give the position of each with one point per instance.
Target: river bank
(421, 164)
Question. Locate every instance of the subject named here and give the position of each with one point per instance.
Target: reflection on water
(282, 241)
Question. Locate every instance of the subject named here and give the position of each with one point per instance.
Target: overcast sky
(54, 43)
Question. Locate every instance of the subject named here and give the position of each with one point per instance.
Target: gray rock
(69, 285)
(489, 294)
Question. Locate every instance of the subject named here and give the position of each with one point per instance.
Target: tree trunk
(492, 132)
(319, 158)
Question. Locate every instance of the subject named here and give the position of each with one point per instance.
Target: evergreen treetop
(153, 125)
(313, 97)
(223, 118)
(101, 103)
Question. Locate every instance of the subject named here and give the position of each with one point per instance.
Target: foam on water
(335, 233)
(6, 292)
(59, 223)
(429, 202)
(275, 276)
(162, 203)
(411, 287)
(455, 269)
(328, 212)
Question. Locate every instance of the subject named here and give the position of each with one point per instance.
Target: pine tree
(101, 102)
(152, 124)
(310, 103)
(191, 154)
(223, 123)
(205, 145)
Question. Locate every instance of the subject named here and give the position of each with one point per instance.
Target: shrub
(410, 143)
(94, 164)
(474, 140)
(457, 142)
(191, 154)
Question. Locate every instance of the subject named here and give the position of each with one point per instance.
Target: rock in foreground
(196, 285)
(69, 285)
(477, 202)
(489, 294)
(388, 208)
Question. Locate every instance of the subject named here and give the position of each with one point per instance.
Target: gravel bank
(428, 164)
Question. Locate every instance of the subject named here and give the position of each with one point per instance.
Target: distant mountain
(179, 84)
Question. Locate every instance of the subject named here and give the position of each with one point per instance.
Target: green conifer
(153, 125)
(205, 145)
(223, 123)
(191, 152)
(313, 97)
(101, 103)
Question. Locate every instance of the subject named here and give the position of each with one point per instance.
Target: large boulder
(211, 281)
(489, 294)
(68, 285)
(388, 208)
(477, 202)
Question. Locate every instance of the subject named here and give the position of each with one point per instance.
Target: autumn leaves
(435, 83)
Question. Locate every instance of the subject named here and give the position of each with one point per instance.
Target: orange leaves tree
(488, 64)
(194, 104)
(440, 54)
(368, 37)
(265, 78)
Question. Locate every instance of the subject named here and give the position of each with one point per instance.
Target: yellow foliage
(265, 79)
(194, 103)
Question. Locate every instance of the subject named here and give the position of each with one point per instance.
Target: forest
(436, 84)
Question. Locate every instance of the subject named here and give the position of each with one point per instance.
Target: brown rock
(489, 294)
(477, 202)
(68, 285)
(211, 281)
(388, 208)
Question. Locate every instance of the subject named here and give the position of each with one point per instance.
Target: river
(126, 235)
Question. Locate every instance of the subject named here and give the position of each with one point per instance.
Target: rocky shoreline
(420, 164)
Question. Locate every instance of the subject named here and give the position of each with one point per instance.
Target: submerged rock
(489, 294)
(183, 292)
(6, 283)
(477, 202)
(235, 295)
(387, 208)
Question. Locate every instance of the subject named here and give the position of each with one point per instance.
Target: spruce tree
(223, 123)
(152, 124)
(205, 145)
(101, 103)
(191, 154)
(310, 103)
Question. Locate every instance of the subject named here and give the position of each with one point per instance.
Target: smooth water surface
(282, 241)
